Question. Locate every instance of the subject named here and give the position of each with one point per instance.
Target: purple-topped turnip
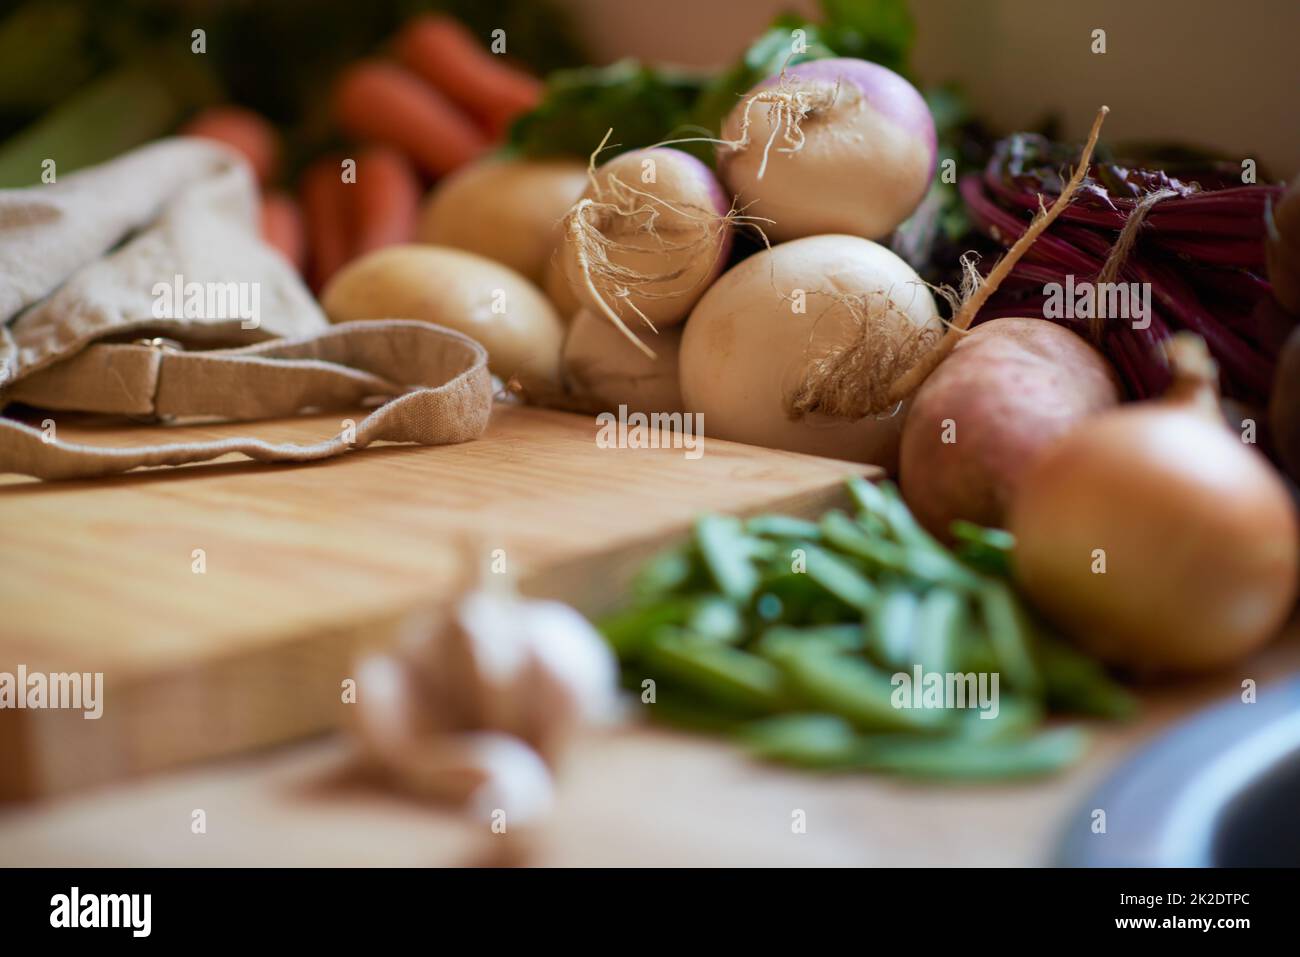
(829, 146)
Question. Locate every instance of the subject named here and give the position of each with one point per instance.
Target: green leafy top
(646, 105)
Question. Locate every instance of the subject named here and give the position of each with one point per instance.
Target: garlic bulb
(476, 706)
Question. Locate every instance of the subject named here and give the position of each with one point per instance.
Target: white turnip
(780, 341)
(817, 345)
(829, 146)
(603, 368)
(650, 233)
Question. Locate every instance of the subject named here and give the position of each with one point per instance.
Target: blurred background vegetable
(283, 228)
(272, 58)
(386, 199)
(509, 210)
(451, 58)
(115, 112)
(326, 207)
(382, 102)
(647, 105)
(246, 132)
(286, 85)
(1284, 407)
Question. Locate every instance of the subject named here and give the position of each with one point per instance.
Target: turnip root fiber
(858, 371)
(651, 232)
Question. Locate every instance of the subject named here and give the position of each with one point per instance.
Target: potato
(599, 363)
(506, 210)
(485, 300)
(1008, 389)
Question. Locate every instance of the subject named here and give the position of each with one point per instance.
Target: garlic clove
(569, 648)
(472, 707)
(517, 787)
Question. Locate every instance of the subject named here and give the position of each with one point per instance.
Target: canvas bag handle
(438, 381)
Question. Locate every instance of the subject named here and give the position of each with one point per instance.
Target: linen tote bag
(141, 287)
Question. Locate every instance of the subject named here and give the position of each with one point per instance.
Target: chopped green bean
(806, 626)
(726, 551)
(976, 651)
(664, 574)
(1078, 684)
(893, 628)
(852, 688)
(629, 631)
(939, 622)
(783, 526)
(801, 602)
(920, 556)
(1011, 635)
(868, 496)
(680, 709)
(905, 528)
(1014, 716)
(987, 549)
(769, 607)
(1042, 753)
(848, 536)
(831, 638)
(809, 740)
(718, 672)
(838, 577)
(714, 618)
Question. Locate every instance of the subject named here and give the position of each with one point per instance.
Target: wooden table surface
(638, 795)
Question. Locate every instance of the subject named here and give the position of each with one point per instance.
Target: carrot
(386, 198)
(249, 134)
(282, 228)
(326, 207)
(447, 55)
(382, 102)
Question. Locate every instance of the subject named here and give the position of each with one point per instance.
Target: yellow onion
(1156, 537)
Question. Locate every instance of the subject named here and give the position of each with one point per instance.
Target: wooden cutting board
(224, 603)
